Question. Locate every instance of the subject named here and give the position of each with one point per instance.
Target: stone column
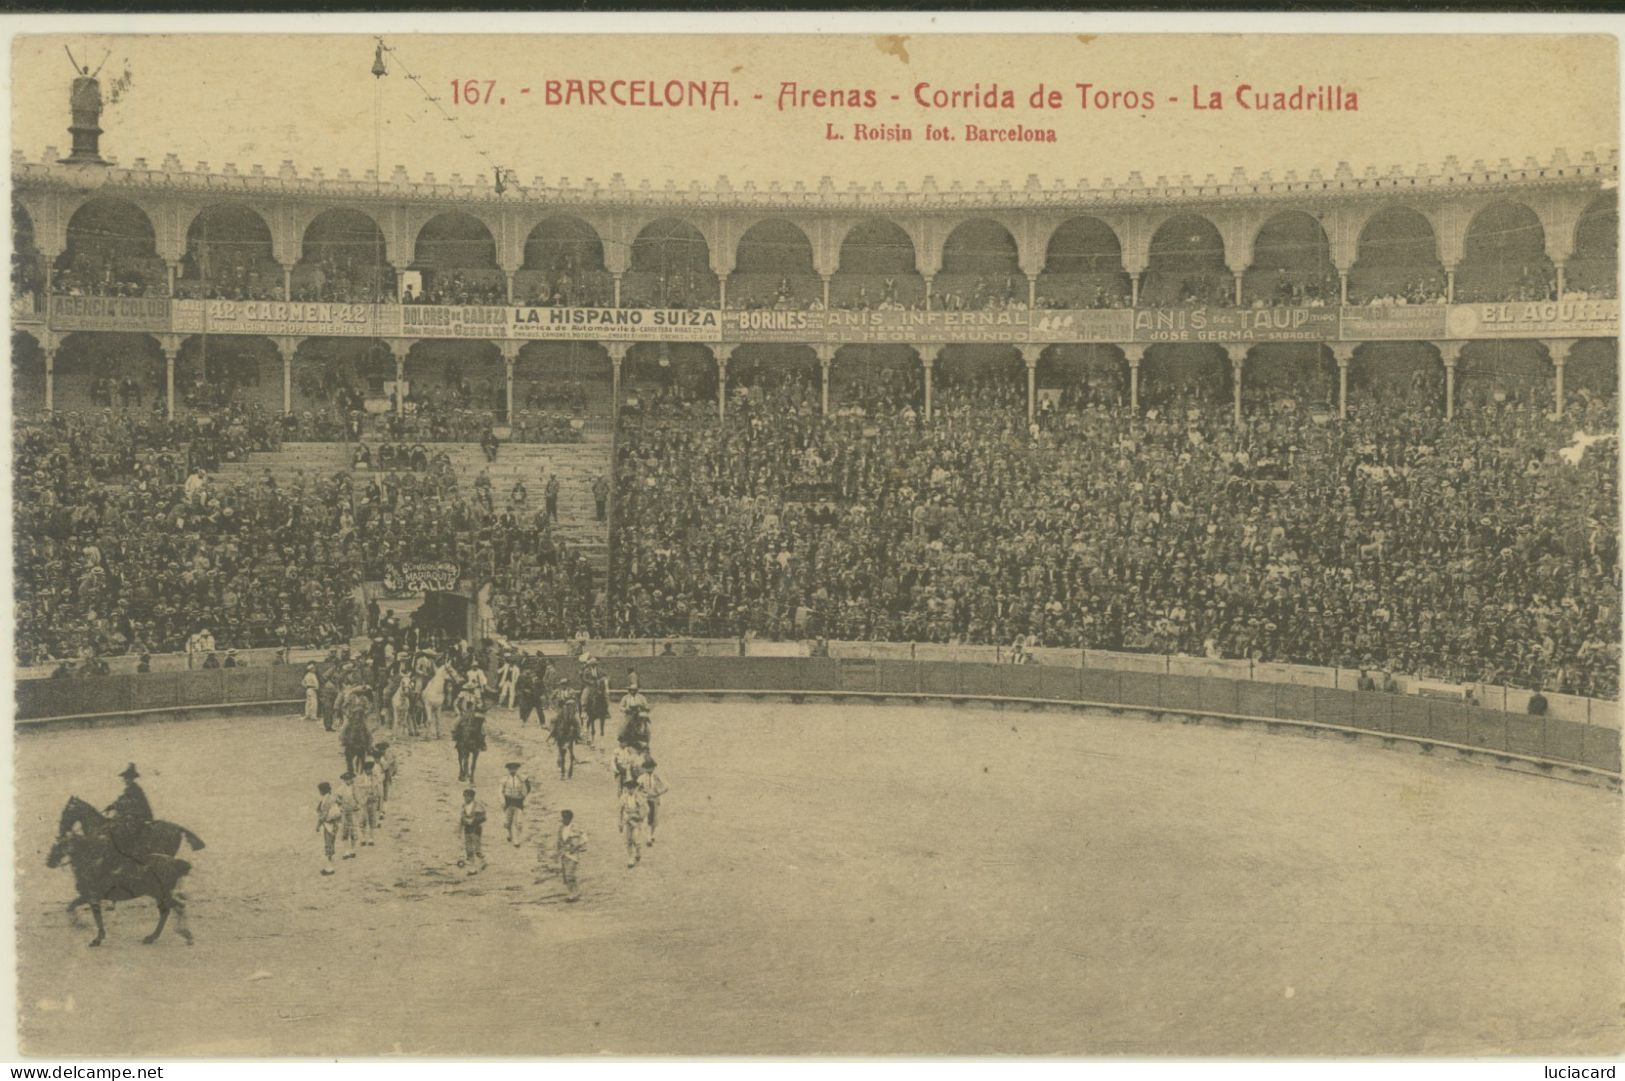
(826, 361)
(50, 378)
(722, 383)
(287, 281)
(1032, 291)
(1450, 285)
(1239, 276)
(1030, 354)
(1134, 290)
(1449, 352)
(1559, 350)
(510, 354)
(287, 347)
(1238, 363)
(928, 279)
(399, 347)
(826, 278)
(722, 291)
(1342, 286)
(617, 353)
(1344, 352)
(928, 360)
(509, 275)
(1134, 352)
(615, 279)
(171, 268)
(1561, 285)
(171, 346)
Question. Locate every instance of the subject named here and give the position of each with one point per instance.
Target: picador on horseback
(130, 815)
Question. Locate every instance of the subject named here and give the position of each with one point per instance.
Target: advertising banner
(403, 579)
(871, 327)
(1394, 322)
(615, 324)
(282, 317)
(109, 313)
(1090, 325)
(773, 326)
(478, 321)
(1534, 319)
(1235, 324)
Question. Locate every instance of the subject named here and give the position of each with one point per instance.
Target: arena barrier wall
(1564, 707)
(1423, 720)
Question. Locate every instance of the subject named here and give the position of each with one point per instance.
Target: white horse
(434, 695)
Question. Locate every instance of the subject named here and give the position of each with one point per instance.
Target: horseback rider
(130, 814)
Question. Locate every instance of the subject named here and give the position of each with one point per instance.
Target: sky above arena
(313, 100)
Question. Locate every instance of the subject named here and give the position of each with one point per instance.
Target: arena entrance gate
(449, 613)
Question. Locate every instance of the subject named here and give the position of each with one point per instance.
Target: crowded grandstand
(1320, 422)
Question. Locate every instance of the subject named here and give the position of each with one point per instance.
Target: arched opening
(344, 259)
(1392, 377)
(220, 370)
(107, 370)
(1287, 376)
(1504, 257)
(111, 251)
(981, 269)
(27, 265)
(1593, 268)
(1397, 261)
(1591, 383)
(774, 380)
(877, 270)
(1074, 377)
(1186, 265)
(1495, 373)
(455, 390)
(773, 268)
(1292, 265)
(980, 380)
(229, 257)
(1083, 267)
(671, 268)
(556, 387)
(877, 381)
(457, 258)
(27, 375)
(1176, 377)
(673, 380)
(332, 379)
(564, 266)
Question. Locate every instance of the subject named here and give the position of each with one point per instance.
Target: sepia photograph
(693, 542)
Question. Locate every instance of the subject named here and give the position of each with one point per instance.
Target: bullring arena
(1176, 616)
(872, 875)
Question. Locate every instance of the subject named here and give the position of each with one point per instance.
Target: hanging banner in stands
(281, 317)
(1393, 322)
(109, 313)
(772, 326)
(483, 321)
(1093, 325)
(1235, 324)
(912, 326)
(1533, 319)
(404, 579)
(615, 324)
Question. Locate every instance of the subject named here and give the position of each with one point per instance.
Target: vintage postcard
(944, 541)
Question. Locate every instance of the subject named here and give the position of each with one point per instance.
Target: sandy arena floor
(847, 880)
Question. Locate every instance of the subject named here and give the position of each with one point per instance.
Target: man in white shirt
(515, 787)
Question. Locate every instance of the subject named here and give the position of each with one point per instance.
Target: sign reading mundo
(1235, 324)
(869, 327)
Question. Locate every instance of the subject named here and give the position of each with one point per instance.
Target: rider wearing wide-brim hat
(130, 813)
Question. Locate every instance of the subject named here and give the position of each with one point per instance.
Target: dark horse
(595, 705)
(566, 732)
(102, 873)
(468, 736)
(356, 741)
(159, 838)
